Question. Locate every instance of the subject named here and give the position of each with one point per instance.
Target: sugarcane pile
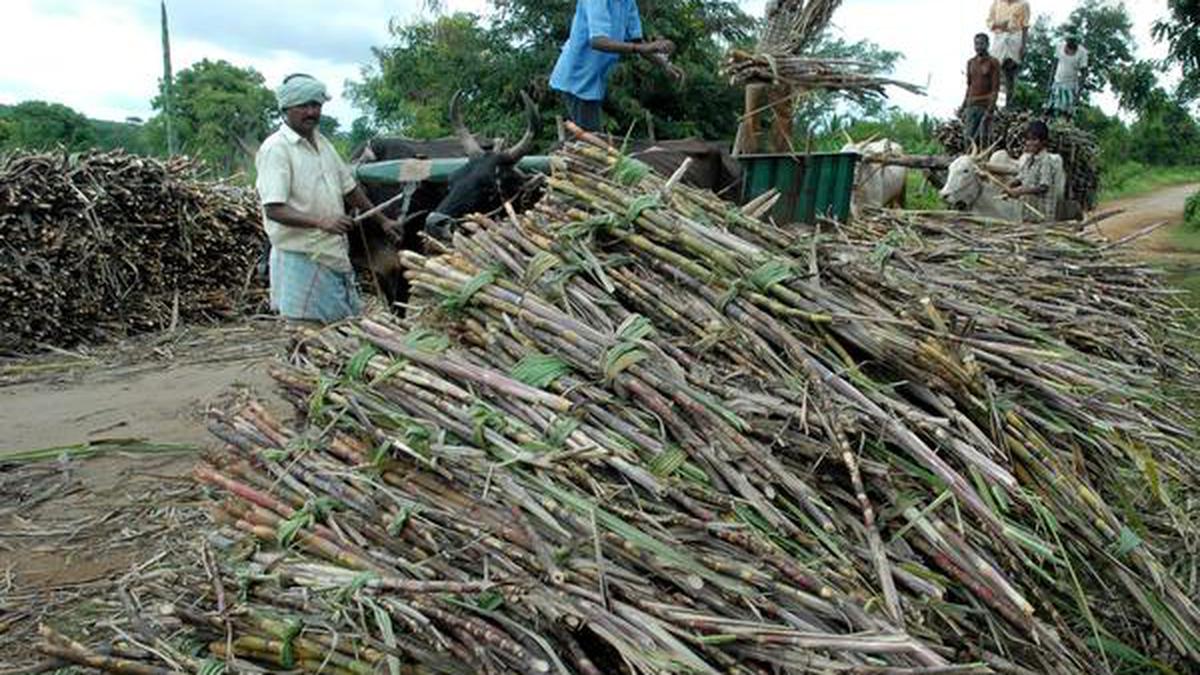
(854, 79)
(1078, 148)
(99, 245)
(784, 55)
(635, 430)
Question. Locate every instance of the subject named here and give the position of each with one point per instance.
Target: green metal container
(817, 184)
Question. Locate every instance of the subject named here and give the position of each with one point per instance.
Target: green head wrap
(300, 89)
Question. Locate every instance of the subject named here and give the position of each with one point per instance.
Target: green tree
(408, 88)
(221, 113)
(329, 126)
(6, 126)
(361, 131)
(1181, 32)
(38, 125)
(1165, 132)
(1105, 29)
(819, 113)
(128, 136)
(1038, 66)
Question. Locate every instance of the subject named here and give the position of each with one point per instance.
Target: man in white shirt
(1068, 76)
(1009, 22)
(304, 187)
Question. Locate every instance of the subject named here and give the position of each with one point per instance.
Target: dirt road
(155, 388)
(1142, 212)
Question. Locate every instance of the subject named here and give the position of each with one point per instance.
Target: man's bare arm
(286, 215)
(607, 44)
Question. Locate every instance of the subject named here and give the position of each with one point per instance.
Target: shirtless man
(983, 88)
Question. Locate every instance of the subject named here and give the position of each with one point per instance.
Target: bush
(1191, 212)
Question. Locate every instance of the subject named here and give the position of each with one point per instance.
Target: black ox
(489, 178)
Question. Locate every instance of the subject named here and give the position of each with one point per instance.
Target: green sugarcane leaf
(426, 340)
(418, 437)
(358, 363)
(381, 454)
(596, 268)
(1127, 542)
(540, 370)
(729, 296)
(667, 462)
(772, 273)
(306, 517)
(211, 667)
(560, 430)
(323, 506)
(585, 230)
(287, 654)
(641, 205)
(693, 473)
(485, 417)
(489, 601)
(397, 526)
(289, 528)
(721, 411)
(620, 357)
(356, 584)
(541, 263)
(459, 301)
(635, 327)
(1126, 654)
(629, 171)
(316, 404)
(388, 632)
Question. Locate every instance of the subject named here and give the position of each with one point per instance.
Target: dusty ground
(74, 531)
(154, 388)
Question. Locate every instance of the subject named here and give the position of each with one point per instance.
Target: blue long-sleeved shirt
(581, 70)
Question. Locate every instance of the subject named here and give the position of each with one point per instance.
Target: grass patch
(920, 194)
(1186, 239)
(1132, 179)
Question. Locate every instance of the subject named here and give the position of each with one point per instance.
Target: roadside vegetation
(1191, 212)
(1131, 179)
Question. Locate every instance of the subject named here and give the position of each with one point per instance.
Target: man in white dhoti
(1009, 22)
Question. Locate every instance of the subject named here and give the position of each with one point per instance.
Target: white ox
(877, 185)
(977, 189)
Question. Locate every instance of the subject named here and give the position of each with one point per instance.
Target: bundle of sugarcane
(792, 26)
(783, 55)
(852, 78)
(106, 244)
(637, 430)
(1079, 149)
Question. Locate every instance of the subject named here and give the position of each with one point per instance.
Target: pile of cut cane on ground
(637, 430)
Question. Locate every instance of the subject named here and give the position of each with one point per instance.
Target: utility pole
(168, 103)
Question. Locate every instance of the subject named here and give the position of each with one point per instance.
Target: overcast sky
(103, 58)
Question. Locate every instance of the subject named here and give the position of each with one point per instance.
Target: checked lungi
(309, 291)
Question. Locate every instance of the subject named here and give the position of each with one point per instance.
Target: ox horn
(465, 138)
(533, 122)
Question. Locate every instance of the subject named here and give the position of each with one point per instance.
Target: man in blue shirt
(601, 32)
